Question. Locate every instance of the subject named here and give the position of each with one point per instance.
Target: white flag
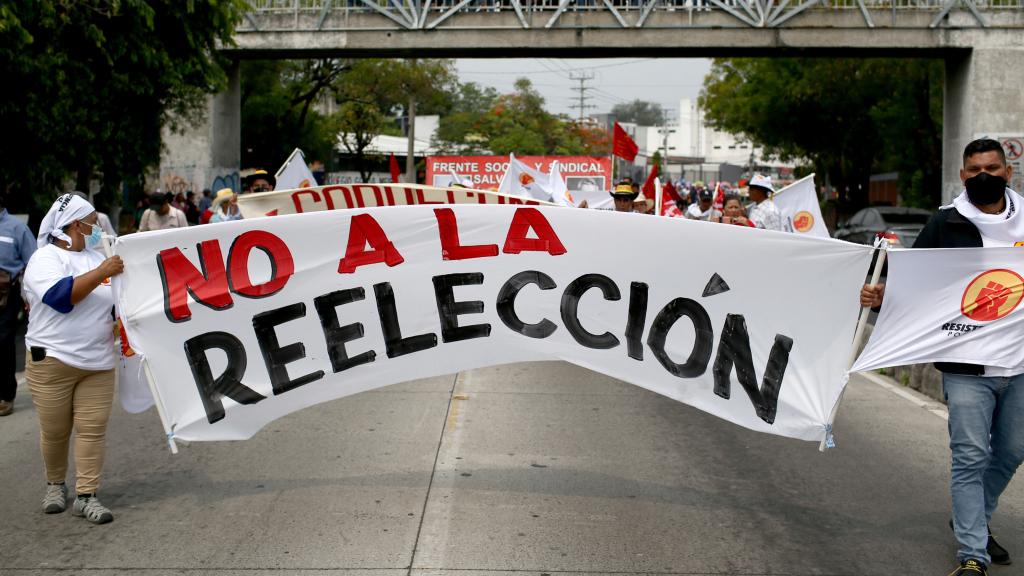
(521, 180)
(950, 305)
(458, 180)
(800, 210)
(559, 192)
(294, 173)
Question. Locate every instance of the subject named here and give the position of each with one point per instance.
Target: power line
(563, 71)
(582, 79)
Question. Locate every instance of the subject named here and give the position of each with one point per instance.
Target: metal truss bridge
(602, 28)
(310, 15)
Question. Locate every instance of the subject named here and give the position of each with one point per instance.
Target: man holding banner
(986, 402)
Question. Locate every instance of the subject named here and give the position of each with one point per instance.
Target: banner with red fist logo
(801, 212)
(950, 305)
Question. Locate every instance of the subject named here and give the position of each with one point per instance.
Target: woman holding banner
(70, 369)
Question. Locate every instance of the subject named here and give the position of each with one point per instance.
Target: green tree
(518, 123)
(459, 131)
(318, 104)
(639, 112)
(95, 83)
(374, 91)
(279, 110)
(848, 117)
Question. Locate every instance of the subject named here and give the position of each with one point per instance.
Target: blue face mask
(93, 239)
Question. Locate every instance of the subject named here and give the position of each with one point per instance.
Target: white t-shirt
(83, 337)
(152, 220)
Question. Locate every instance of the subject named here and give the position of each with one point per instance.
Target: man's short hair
(984, 145)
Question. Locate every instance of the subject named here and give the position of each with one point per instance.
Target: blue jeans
(986, 437)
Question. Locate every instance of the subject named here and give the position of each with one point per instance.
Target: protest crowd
(62, 277)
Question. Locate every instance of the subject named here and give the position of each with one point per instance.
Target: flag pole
(109, 251)
(658, 197)
(784, 188)
(858, 337)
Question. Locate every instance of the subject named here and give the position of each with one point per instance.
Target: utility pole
(410, 156)
(582, 78)
(665, 123)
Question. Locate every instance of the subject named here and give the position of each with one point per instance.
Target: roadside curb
(916, 398)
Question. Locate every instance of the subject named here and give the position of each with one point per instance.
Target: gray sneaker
(90, 508)
(56, 499)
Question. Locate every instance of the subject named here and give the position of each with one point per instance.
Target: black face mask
(985, 189)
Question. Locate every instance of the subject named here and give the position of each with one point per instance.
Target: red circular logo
(992, 295)
(803, 221)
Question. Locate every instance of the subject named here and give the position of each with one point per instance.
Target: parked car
(900, 225)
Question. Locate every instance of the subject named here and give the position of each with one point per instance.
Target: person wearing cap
(225, 206)
(695, 191)
(16, 248)
(70, 368)
(765, 214)
(161, 215)
(623, 196)
(704, 208)
(259, 181)
(642, 204)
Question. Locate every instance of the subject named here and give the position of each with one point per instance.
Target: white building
(698, 152)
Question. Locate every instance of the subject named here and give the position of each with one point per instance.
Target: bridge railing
(419, 14)
(316, 6)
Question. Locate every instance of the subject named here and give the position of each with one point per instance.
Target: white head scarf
(65, 210)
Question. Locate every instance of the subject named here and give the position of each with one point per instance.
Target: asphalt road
(543, 469)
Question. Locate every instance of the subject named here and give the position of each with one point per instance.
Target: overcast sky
(660, 80)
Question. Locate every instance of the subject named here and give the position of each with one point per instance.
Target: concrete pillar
(982, 98)
(206, 153)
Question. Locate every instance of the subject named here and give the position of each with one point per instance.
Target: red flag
(669, 191)
(648, 188)
(396, 172)
(622, 145)
(719, 196)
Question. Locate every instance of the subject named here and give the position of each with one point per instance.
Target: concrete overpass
(981, 42)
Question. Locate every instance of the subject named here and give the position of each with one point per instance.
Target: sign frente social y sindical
(486, 171)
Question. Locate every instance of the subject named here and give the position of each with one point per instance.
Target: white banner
(294, 173)
(343, 196)
(950, 305)
(246, 321)
(800, 210)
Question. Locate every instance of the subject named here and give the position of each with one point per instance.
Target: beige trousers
(69, 398)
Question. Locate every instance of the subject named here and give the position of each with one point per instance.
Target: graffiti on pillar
(175, 184)
(229, 180)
